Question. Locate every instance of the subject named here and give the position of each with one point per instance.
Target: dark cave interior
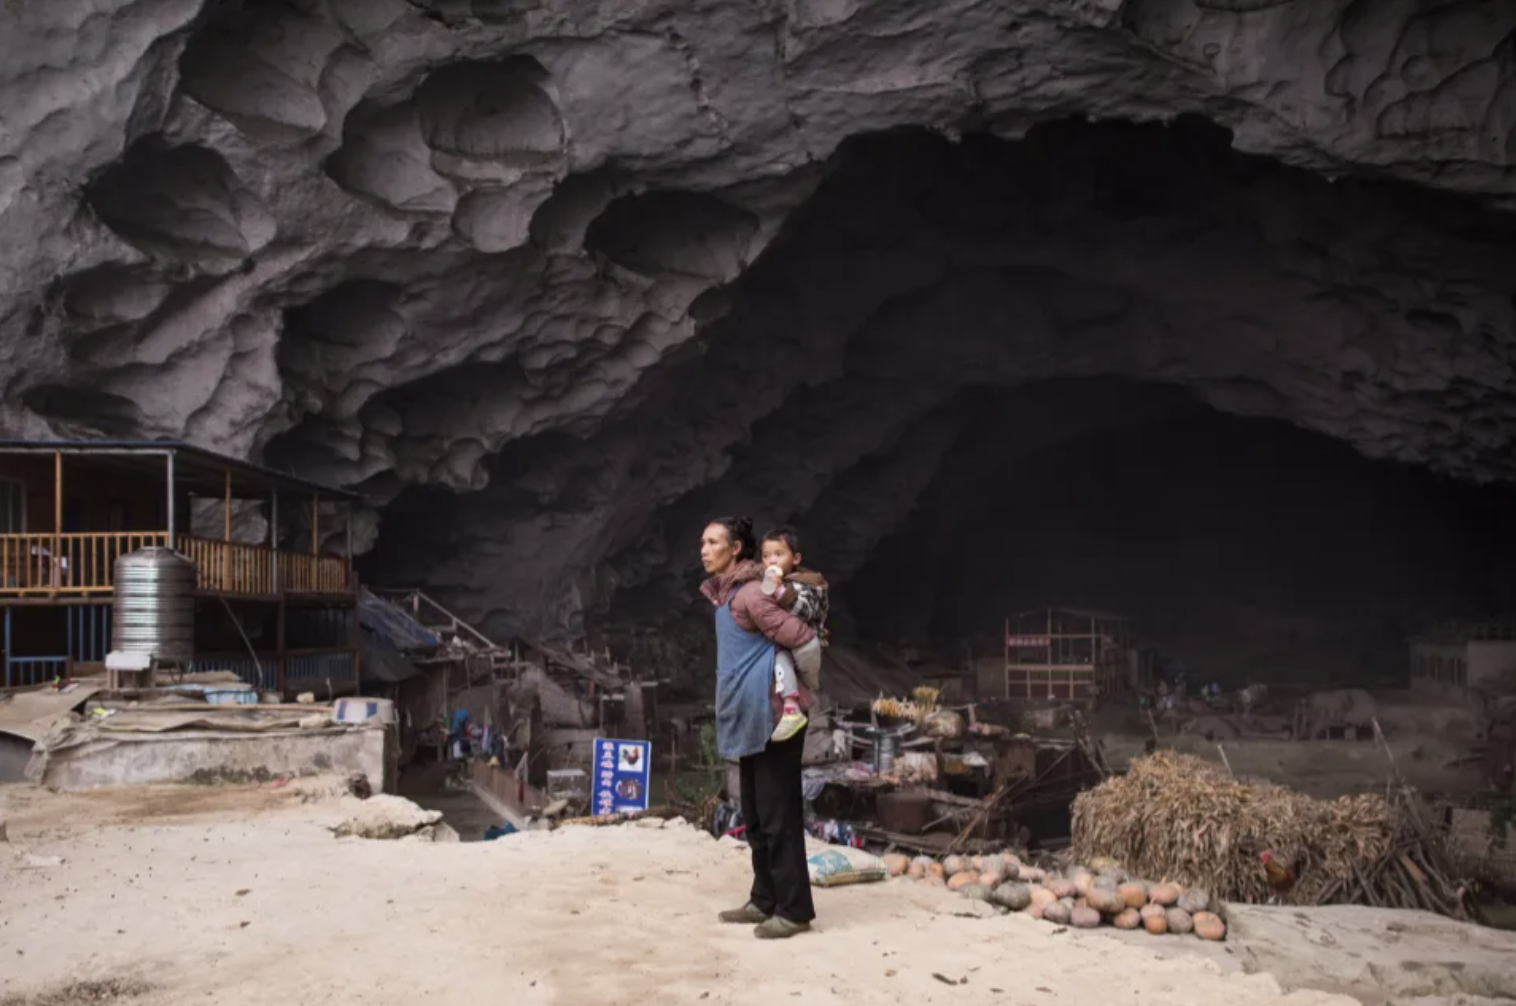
(1108, 365)
(1249, 546)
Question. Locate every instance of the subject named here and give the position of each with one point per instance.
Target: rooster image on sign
(630, 758)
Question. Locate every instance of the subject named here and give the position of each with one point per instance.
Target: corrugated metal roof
(195, 467)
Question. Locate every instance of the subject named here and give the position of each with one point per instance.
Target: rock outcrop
(535, 274)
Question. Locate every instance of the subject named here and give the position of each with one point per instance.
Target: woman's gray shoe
(780, 929)
(748, 915)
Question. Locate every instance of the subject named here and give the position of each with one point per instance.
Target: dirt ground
(424, 785)
(38, 813)
(1433, 743)
(243, 897)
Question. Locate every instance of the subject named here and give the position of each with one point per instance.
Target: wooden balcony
(82, 566)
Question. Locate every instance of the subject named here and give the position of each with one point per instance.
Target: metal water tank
(155, 605)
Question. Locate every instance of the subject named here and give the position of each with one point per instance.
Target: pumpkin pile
(1173, 815)
(1083, 897)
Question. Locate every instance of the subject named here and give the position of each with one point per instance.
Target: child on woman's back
(804, 593)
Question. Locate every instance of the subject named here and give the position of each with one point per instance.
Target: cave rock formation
(548, 280)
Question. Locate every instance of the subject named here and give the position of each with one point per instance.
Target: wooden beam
(228, 508)
(356, 641)
(169, 504)
(316, 524)
(273, 540)
(57, 557)
(280, 655)
(933, 843)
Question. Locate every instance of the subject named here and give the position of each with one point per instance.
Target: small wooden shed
(1069, 654)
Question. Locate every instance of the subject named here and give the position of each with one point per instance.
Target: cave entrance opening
(1101, 365)
(1252, 550)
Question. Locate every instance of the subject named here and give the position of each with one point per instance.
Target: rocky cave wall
(550, 282)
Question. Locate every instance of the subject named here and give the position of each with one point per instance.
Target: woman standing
(749, 625)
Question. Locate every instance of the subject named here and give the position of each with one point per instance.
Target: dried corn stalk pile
(1175, 817)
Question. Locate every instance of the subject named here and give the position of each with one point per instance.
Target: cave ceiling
(548, 280)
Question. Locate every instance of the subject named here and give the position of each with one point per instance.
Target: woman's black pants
(773, 810)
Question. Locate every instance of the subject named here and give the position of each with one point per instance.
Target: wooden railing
(83, 565)
(66, 564)
(227, 567)
(314, 574)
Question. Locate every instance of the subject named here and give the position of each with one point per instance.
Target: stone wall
(206, 758)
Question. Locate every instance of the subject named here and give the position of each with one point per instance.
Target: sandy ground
(244, 897)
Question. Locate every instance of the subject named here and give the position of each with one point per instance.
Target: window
(73, 515)
(12, 507)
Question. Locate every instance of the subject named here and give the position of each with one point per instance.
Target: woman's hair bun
(740, 532)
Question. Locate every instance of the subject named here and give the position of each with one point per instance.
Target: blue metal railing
(89, 640)
(305, 669)
(89, 632)
(22, 672)
(319, 667)
(262, 673)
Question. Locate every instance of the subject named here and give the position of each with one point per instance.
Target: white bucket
(361, 710)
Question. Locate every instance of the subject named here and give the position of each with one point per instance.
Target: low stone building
(1456, 657)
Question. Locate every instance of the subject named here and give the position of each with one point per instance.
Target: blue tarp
(392, 626)
(390, 637)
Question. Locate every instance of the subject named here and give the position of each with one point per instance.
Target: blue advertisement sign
(623, 771)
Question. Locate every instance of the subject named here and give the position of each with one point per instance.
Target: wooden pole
(355, 641)
(227, 571)
(57, 515)
(1005, 672)
(1052, 654)
(169, 509)
(279, 644)
(316, 524)
(1094, 656)
(273, 539)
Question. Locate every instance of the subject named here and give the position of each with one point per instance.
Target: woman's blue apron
(744, 679)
